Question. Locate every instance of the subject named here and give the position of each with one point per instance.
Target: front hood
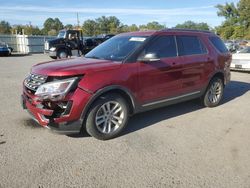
(71, 67)
(56, 41)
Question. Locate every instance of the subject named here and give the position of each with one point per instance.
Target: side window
(163, 46)
(219, 44)
(190, 45)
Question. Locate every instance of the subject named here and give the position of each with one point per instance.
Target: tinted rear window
(190, 45)
(219, 44)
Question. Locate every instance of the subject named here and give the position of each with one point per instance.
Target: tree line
(92, 27)
(237, 20)
(235, 26)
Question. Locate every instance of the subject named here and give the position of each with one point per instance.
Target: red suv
(130, 73)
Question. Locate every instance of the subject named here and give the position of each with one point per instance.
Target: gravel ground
(183, 145)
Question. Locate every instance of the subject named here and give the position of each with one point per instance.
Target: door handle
(208, 59)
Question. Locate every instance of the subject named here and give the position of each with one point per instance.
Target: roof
(152, 32)
(188, 30)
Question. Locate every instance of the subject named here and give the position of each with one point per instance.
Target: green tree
(247, 34)
(32, 30)
(244, 12)
(52, 32)
(237, 20)
(114, 25)
(69, 26)
(193, 25)
(155, 26)
(129, 28)
(152, 26)
(133, 27)
(52, 25)
(225, 32)
(102, 25)
(124, 29)
(239, 32)
(229, 10)
(17, 29)
(27, 29)
(90, 27)
(5, 27)
(108, 25)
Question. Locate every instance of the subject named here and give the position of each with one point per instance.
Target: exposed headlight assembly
(55, 90)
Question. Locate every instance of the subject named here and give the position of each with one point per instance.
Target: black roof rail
(191, 30)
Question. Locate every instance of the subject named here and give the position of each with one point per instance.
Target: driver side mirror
(150, 57)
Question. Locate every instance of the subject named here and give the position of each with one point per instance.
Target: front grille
(33, 81)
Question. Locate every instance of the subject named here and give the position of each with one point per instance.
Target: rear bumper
(241, 70)
(240, 65)
(62, 124)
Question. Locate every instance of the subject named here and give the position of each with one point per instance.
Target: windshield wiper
(93, 57)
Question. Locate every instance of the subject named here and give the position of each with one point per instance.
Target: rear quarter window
(218, 44)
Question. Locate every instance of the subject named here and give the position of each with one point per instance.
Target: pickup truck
(72, 43)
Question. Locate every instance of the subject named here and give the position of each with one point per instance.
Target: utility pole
(78, 21)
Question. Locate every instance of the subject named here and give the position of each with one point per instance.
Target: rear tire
(107, 117)
(214, 93)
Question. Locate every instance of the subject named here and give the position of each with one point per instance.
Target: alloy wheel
(109, 117)
(215, 92)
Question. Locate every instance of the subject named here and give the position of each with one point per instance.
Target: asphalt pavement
(183, 145)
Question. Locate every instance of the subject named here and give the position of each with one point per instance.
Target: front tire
(107, 117)
(214, 93)
(62, 54)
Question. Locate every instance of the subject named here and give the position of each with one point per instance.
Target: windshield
(61, 34)
(117, 48)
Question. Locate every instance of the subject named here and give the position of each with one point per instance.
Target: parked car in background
(241, 60)
(127, 74)
(5, 50)
(232, 46)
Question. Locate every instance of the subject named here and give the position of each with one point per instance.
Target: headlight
(53, 49)
(56, 90)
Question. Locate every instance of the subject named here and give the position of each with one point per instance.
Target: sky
(167, 12)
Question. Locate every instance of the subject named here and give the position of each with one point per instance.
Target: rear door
(195, 58)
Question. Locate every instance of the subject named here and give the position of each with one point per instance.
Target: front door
(161, 79)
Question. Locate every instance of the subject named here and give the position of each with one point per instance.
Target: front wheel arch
(93, 128)
(127, 95)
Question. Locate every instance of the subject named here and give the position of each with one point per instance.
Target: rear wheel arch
(219, 75)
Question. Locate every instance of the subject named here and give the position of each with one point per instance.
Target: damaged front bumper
(63, 117)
